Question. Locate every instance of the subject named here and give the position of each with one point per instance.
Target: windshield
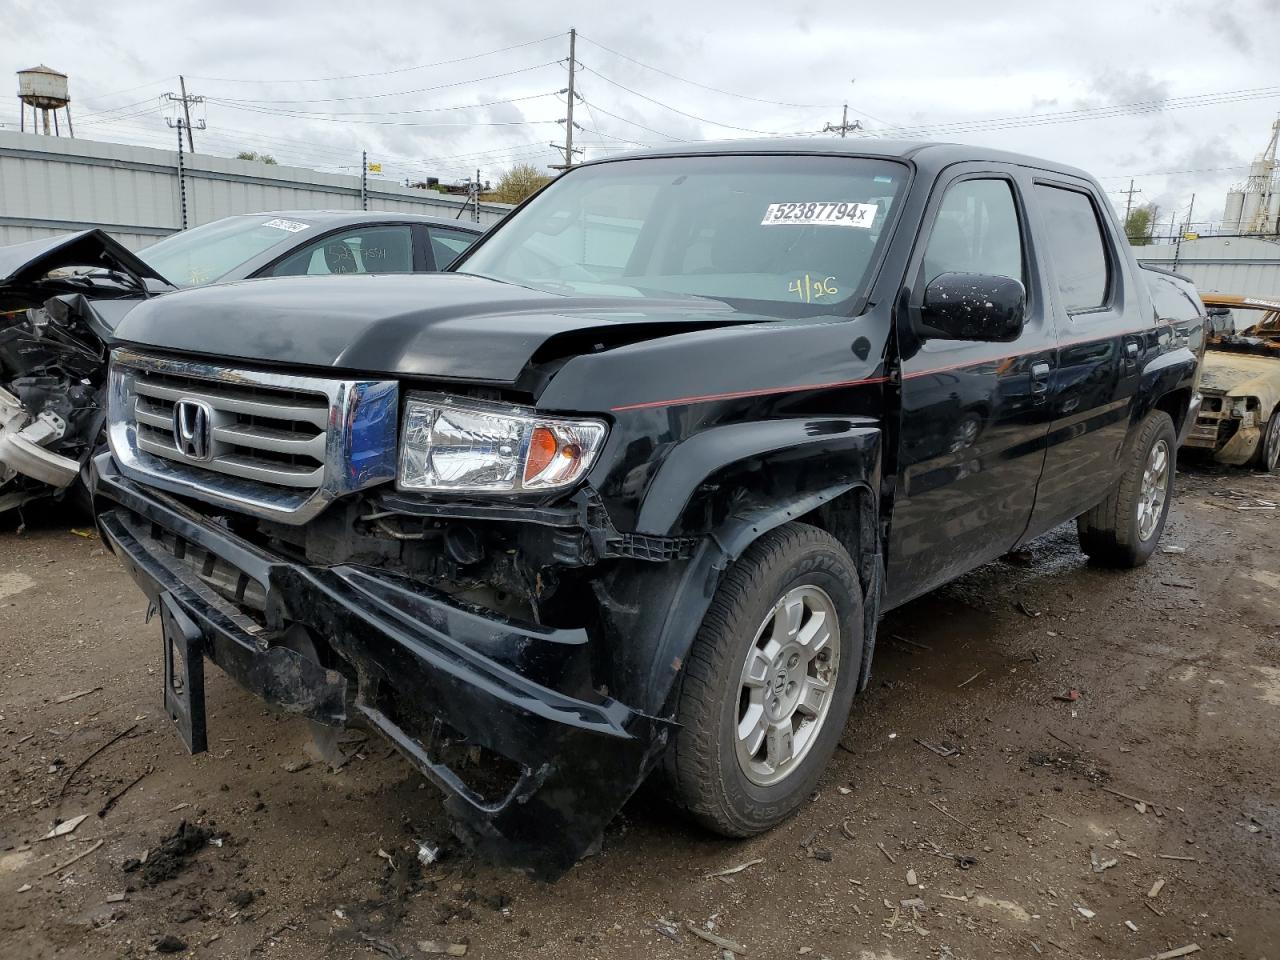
(205, 254)
(778, 235)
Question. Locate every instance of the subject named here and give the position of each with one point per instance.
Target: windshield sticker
(292, 226)
(809, 288)
(827, 213)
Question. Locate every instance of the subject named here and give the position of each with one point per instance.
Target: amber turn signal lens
(542, 450)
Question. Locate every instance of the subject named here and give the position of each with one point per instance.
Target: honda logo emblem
(192, 428)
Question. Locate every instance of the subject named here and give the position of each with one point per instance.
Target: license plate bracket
(183, 674)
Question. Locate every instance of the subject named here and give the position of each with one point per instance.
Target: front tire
(1269, 448)
(1124, 529)
(768, 683)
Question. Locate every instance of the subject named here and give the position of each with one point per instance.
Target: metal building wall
(52, 185)
(1243, 265)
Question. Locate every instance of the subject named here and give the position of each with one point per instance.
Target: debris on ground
(1071, 696)
(912, 879)
(170, 858)
(715, 939)
(428, 853)
(442, 947)
(1156, 888)
(1101, 862)
(170, 944)
(296, 766)
(65, 827)
(943, 751)
(730, 871)
(79, 766)
(79, 856)
(68, 697)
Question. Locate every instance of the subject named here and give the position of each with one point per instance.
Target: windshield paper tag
(292, 226)
(827, 213)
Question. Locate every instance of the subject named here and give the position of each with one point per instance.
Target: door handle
(1040, 378)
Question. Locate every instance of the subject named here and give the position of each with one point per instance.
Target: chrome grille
(272, 436)
(277, 445)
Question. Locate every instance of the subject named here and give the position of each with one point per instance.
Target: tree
(254, 155)
(1137, 226)
(519, 182)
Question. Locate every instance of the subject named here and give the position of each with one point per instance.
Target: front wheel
(1123, 530)
(1269, 448)
(768, 683)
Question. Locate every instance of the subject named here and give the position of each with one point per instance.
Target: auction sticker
(292, 226)
(827, 213)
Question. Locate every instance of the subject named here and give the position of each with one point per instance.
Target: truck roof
(926, 154)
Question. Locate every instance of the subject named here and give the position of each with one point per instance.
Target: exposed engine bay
(59, 302)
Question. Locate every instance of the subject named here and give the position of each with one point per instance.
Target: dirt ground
(1164, 769)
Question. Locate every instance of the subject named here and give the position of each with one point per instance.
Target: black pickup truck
(629, 488)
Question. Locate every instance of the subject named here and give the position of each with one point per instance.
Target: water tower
(44, 89)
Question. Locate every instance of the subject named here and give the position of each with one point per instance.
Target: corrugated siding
(1243, 265)
(51, 185)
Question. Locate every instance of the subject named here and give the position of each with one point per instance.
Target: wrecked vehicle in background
(1239, 421)
(60, 301)
(61, 298)
(630, 487)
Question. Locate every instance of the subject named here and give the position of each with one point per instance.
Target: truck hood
(26, 263)
(451, 326)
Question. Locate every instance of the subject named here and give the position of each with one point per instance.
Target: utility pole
(182, 177)
(475, 210)
(1128, 204)
(186, 102)
(364, 179)
(845, 126)
(570, 95)
(1190, 211)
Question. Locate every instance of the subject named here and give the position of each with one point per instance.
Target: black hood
(25, 263)
(429, 325)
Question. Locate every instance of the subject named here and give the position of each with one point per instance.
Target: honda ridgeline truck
(629, 488)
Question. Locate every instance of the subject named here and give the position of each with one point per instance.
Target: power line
(667, 106)
(636, 123)
(727, 93)
(383, 73)
(394, 93)
(331, 114)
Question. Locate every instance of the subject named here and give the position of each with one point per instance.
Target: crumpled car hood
(1241, 375)
(451, 326)
(24, 263)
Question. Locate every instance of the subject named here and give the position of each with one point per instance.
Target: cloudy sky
(1177, 94)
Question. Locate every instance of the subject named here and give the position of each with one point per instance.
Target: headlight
(478, 447)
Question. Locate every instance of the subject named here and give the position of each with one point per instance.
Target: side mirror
(973, 306)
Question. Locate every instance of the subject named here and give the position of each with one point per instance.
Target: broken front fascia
(24, 445)
(1229, 380)
(421, 664)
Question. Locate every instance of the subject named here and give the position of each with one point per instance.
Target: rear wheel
(768, 683)
(1269, 448)
(1123, 530)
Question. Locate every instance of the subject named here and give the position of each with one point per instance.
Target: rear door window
(1076, 247)
(387, 249)
(447, 245)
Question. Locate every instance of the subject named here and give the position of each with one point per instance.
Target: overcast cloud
(922, 65)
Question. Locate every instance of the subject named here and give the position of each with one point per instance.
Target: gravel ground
(1162, 773)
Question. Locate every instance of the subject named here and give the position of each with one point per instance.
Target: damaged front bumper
(422, 668)
(1217, 428)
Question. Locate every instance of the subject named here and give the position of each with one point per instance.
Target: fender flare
(843, 447)
(658, 640)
